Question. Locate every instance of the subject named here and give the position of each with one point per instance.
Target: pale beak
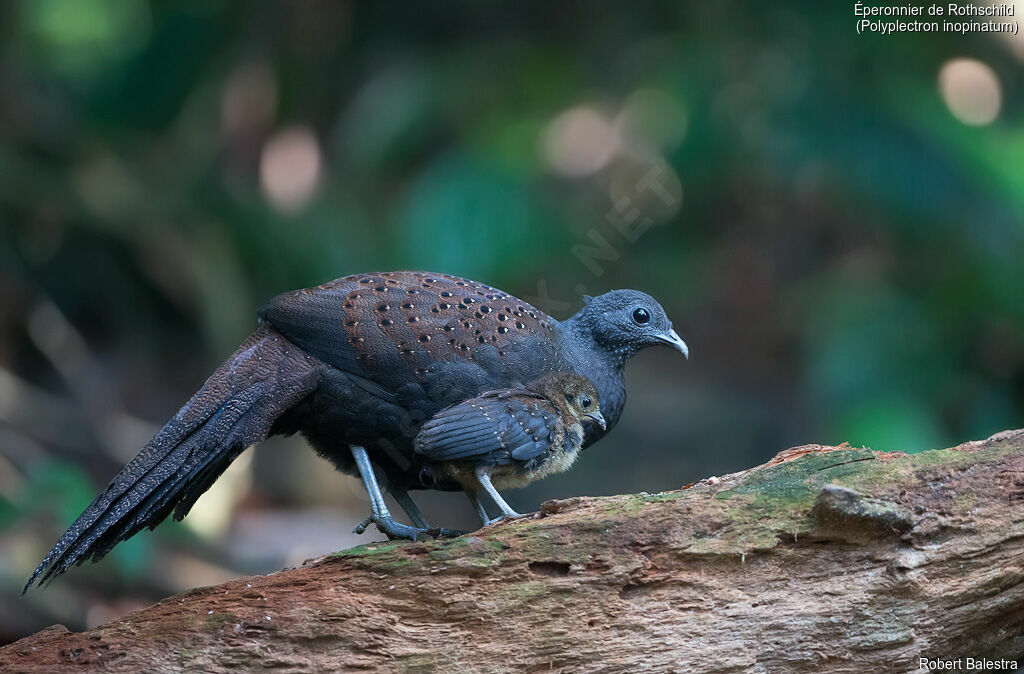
(597, 418)
(676, 342)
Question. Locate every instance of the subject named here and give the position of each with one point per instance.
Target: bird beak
(597, 418)
(676, 342)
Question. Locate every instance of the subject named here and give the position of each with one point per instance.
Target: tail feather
(203, 476)
(235, 408)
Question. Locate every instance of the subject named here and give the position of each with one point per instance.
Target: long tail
(236, 407)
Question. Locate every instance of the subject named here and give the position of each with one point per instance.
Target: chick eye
(641, 316)
(586, 402)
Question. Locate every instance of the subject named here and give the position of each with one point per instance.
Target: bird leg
(485, 482)
(413, 511)
(478, 507)
(409, 506)
(417, 518)
(379, 513)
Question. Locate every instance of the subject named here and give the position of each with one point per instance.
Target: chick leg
(485, 482)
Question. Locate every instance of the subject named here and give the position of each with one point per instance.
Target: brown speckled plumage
(403, 322)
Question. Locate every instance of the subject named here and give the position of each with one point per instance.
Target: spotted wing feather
(438, 336)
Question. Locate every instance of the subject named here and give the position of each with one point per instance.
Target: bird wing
(451, 336)
(497, 427)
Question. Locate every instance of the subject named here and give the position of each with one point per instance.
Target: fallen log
(824, 559)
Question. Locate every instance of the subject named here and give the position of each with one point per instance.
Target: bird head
(575, 395)
(626, 321)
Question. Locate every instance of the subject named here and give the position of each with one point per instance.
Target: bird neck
(577, 336)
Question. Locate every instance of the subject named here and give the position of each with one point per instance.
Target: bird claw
(446, 533)
(398, 531)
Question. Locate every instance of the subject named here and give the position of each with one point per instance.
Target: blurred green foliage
(845, 262)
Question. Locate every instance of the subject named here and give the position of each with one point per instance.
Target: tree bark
(824, 559)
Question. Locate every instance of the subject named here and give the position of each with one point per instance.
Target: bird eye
(641, 316)
(568, 397)
(586, 402)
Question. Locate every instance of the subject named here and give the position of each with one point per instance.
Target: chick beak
(597, 418)
(672, 338)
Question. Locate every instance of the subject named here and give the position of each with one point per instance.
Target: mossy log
(825, 559)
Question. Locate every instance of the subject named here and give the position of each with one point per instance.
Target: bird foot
(501, 518)
(398, 531)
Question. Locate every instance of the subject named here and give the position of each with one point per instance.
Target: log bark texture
(825, 559)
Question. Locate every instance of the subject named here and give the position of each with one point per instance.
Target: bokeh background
(834, 222)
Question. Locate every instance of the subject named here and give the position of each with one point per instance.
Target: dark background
(837, 231)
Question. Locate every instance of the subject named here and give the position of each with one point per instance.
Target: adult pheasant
(357, 365)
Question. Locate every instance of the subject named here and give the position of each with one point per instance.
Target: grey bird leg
(409, 506)
(485, 482)
(478, 507)
(411, 509)
(379, 513)
(417, 518)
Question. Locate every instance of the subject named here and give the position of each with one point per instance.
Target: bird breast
(557, 460)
